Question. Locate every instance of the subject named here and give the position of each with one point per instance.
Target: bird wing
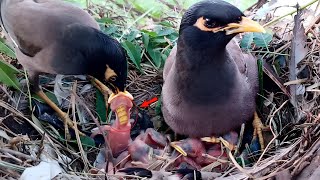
(238, 58)
(35, 24)
(246, 63)
(171, 58)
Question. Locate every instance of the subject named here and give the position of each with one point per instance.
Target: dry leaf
(62, 93)
(299, 51)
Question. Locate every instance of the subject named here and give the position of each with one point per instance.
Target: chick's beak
(120, 93)
(245, 25)
(121, 103)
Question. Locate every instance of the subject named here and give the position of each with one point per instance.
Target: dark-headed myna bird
(55, 37)
(210, 84)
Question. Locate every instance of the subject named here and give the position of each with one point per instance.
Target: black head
(213, 23)
(104, 56)
(96, 54)
(110, 63)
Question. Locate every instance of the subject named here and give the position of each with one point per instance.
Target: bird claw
(214, 140)
(68, 122)
(210, 139)
(258, 127)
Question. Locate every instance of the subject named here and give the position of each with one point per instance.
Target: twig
(73, 102)
(109, 155)
(290, 13)
(234, 162)
(307, 155)
(17, 153)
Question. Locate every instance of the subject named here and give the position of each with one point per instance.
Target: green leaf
(145, 39)
(50, 95)
(259, 39)
(159, 40)
(173, 37)
(164, 57)
(155, 55)
(166, 51)
(150, 33)
(134, 52)
(262, 39)
(8, 75)
(132, 35)
(165, 32)
(4, 48)
(143, 6)
(158, 106)
(87, 141)
(110, 30)
(260, 75)
(105, 20)
(101, 106)
(246, 41)
(166, 24)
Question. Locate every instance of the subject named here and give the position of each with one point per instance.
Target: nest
(289, 107)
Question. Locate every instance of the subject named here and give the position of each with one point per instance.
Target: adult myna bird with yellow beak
(55, 37)
(210, 85)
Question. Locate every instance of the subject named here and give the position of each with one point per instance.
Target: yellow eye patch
(109, 73)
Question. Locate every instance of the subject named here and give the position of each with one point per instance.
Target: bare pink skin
(119, 135)
(121, 101)
(150, 141)
(138, 150)
(122, 159)
(196, 148)
(153, 138)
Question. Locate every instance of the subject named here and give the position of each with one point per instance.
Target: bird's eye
(209, 23)
(113, 78)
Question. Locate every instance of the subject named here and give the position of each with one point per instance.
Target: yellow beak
(245, 25)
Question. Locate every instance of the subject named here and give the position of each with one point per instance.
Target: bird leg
(35, 87)
(64, 116)
(258, 127)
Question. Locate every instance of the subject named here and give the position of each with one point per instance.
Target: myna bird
(210, 85)
(55, 37)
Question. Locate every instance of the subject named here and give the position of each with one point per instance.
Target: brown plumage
(53, 36)
(210, 84)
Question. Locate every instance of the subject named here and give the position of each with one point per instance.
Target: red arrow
(147, 103)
